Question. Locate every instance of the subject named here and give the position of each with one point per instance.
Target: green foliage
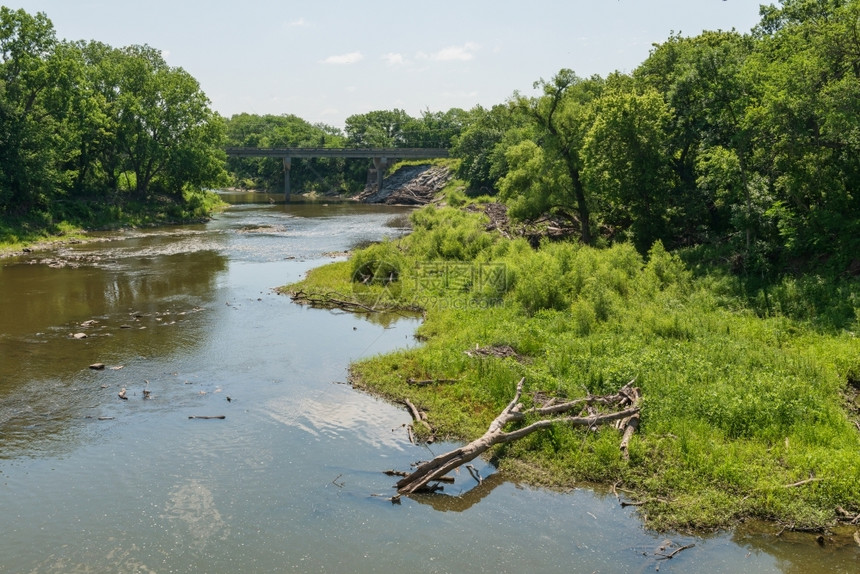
(448, 234)
(88, 130)
(737, 402)
(381, 128)
(396, 128)
(746, 143)
(544, 166)
(481, 145)
(317, 174)
(378, 264)
(626, 163)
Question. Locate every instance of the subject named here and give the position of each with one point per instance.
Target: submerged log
(432, 470)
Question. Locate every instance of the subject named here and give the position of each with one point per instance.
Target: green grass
(69, 220)
(739, 400)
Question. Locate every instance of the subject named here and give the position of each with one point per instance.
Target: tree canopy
(85, 126)
(748, 143)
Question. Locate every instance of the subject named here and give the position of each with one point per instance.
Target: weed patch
(740, 400)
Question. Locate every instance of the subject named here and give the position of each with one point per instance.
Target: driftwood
(418, 416)
(430, 471)
(661, 556)
(427, 382)
(846, 516)
(500, 351)
(329, 301)
(203, 417)
(801, 482)
(347, 303)
(631, 424)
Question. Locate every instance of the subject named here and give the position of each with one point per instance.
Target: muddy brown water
(291, 478)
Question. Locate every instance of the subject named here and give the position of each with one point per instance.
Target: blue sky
(326, 60)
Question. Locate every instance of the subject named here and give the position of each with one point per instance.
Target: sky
(325, 60)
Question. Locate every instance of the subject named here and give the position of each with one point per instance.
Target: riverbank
(38, 232)
(748, 411)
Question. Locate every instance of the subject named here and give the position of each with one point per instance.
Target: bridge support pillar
(288, 163)
(381, 164)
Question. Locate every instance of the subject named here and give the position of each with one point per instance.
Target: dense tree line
(87, 130)
(375, 129)
(318, 174)
(747, 143)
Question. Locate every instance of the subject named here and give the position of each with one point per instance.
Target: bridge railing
(307, 152)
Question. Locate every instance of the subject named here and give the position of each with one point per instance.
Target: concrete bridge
(382, 157)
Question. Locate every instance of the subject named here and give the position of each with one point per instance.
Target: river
(186, 321)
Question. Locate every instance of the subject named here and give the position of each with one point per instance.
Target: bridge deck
(293, 152)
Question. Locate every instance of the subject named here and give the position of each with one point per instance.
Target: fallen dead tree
(350, 304)
(500, 351)
(618, 407)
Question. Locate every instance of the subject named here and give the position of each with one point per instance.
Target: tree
(544, 175)
(170, 137)
(480, 150)
(625, 163)
(30, 139)
(702, 81)
(381, 128)
(806, 122)
(434, 129)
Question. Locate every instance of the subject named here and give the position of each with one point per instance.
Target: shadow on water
(449, 503)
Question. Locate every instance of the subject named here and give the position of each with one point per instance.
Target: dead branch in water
(674, 552)
(349, 304)
(430, 471)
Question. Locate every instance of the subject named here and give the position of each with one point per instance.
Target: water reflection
(449, 503)
(799, 552)
(59, 320)
(93, 483)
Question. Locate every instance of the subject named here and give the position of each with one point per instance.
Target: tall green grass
(739, 400)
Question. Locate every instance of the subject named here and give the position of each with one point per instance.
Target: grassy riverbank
(72, 220)
(749, 407)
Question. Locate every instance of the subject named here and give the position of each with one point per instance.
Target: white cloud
(393, 59)
(350, 58)
(462, 53)
(300, 23)
(165, 54)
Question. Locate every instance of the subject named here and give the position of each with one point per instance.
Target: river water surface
(185, 320)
